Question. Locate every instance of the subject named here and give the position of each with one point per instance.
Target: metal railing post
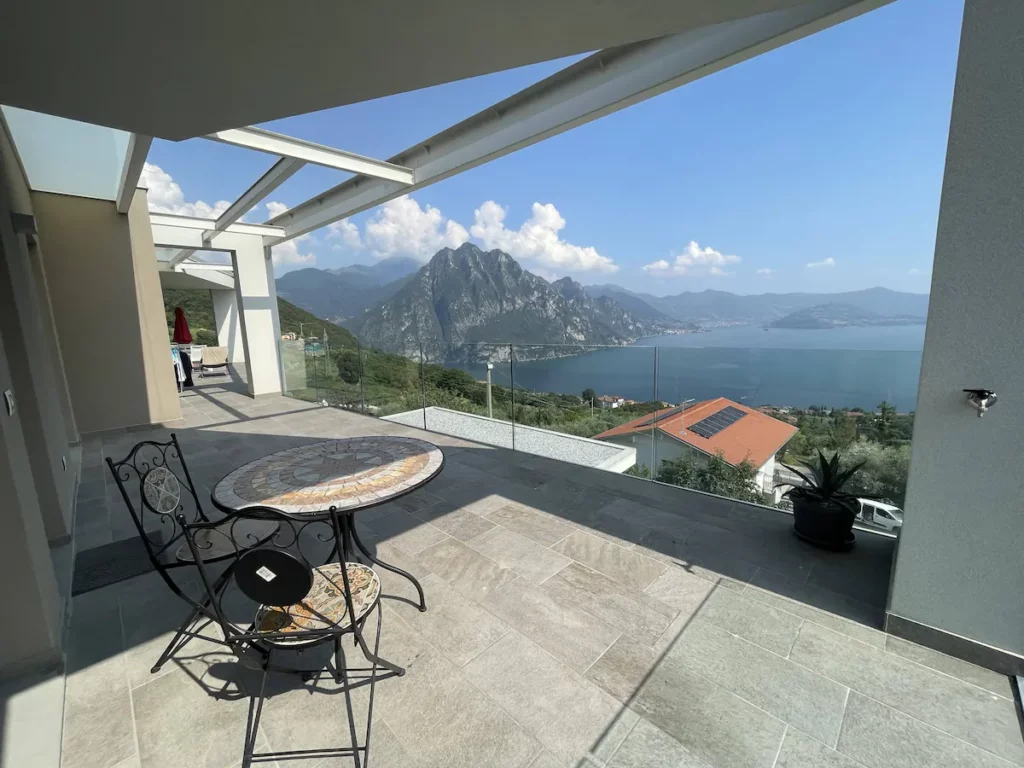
(423, 388)
(654, 421)
(362, 377)
(512, 379)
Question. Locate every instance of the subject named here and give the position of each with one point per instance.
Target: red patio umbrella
(182, 335)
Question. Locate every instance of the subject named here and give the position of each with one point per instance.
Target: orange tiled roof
(756, 437)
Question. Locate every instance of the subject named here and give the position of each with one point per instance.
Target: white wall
(229, 327)
(256, 297)
(960, 564)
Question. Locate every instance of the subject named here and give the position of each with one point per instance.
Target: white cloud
(346, 232)
(536, 240)
(165, 196)
(694, 260)
(401, 228)
(829, 262)
(275, 209)
(766, 272)
(288, 254)
(918, 272)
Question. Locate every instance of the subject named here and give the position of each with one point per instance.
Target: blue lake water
(843, 367)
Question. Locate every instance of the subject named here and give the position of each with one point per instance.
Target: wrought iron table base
(350, 535)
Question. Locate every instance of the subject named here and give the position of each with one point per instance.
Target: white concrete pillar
(959, 573)
(256, 298)
(229, 327)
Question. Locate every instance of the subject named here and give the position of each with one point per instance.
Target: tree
(883, 425)
(589, 394)
(884, 474)
(843, 432)
(714, 475)
(347, 361)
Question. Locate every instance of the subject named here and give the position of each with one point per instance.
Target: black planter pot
(825, 524)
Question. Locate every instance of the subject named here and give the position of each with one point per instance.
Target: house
(703, 429)
(609, 401)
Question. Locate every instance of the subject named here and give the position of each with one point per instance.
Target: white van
(880, 514)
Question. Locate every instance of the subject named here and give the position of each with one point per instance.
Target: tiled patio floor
(576, 618)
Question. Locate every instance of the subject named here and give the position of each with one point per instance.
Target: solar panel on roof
(711, 425)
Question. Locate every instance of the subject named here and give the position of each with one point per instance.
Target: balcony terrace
(576, 618)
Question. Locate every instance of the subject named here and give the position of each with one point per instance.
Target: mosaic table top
(348, 473)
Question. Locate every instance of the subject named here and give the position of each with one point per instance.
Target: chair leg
(372, 657)
(339, 661)
(252, 727)
(174, 646)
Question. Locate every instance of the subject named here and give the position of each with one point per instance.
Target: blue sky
(827, 152)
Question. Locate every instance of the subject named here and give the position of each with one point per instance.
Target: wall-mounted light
(982, 399)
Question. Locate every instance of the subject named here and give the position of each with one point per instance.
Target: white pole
(490, 409)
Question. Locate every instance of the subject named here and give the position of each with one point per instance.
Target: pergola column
(256, 302)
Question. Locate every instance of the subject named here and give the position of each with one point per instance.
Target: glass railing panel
(335, 372)
(297, 370)
(390, 383)
(794, 402)
(467, 392)
(585, 405)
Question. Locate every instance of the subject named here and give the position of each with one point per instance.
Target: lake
(841, 367)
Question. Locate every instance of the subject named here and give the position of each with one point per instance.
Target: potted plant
(823, 513)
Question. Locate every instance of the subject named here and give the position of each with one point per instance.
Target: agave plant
(825, 482)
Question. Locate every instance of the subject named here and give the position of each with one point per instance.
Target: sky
(814, 167)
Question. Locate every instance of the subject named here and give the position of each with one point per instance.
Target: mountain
(383, 272)
(467, 295)
(711, 307)
(839, 315)
(344, 294)
(638, 307)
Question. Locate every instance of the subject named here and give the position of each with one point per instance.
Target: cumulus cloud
(346, 232)
(275, 209)
(290, 254)
(165, 196)
(766, 272)
(695, 261)
(537, 240)
(402, 228)
(829, 262)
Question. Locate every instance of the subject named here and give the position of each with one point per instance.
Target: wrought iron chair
(157, 488)
(301, 605)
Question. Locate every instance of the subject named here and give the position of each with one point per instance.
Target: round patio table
(349, 474)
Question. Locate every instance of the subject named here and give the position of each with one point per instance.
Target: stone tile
(792, 693)
(436, 713)
(877, 736)
(418, 499)
(406, 531)
(680, 590)
(394, 583)
(465, 569)
(838, 613)
(453, 623)
(561, 628)
(801, 751)
(568, 714)
(457, 522)
(399, 642)
(960, 709)
(131, 762)
(546, 760)
(179, 723)
(706, 563)
(649, 747)
(623, 668)
(710, 722)
(617, 605)
(527, 558)
(98, 730)
(536, 526)
(761, 624)
(591, 519)
(950, 665)
(616, 562)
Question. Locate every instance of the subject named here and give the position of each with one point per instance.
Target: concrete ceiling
(189, 67)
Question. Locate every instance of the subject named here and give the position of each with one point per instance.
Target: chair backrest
(196, 354)
(277, 575)
(157, 488)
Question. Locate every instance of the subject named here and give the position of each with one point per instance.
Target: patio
(576, 618)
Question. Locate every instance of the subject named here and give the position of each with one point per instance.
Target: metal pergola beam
(278, 174)
(131, 172)
(287, 146)
(599, 85)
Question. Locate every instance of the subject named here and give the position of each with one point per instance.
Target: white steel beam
(599, 85)
(287, 146)
(279, 173)
(194, 222)
(131, 172)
